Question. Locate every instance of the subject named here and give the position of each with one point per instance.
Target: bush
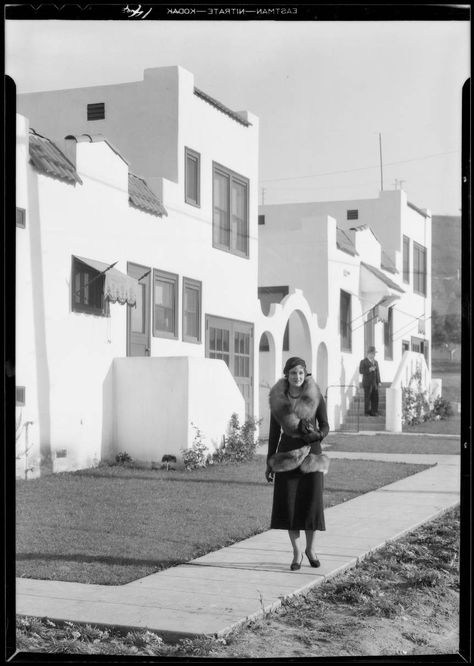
(241, 443)
(123, 458)
(415, 404)
(197, 454)
(442, 408)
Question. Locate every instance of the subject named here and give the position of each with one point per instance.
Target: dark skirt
(298, 501)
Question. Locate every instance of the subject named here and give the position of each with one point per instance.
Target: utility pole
(381, 168)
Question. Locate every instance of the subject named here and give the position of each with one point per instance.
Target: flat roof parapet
(218, 105)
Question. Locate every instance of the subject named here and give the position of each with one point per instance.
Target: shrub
(123, 458)
(197, 454)
(241, 443)
(442, 408)
(415, 404)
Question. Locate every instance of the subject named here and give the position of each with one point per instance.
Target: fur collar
(305, 408)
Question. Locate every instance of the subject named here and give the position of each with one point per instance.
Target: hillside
(446, 262)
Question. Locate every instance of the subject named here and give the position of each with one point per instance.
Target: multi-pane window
(353, 214)
(241, 354)
(96, 111)
(345, 318)
(406, 259)
(419, 269)
(192, 177)
(230, 211)
(219, 344)
(20, 217)
(388, 335)
(87, 289)
(165, 304)
(191, 310)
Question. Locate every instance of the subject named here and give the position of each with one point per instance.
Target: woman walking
(298, 424)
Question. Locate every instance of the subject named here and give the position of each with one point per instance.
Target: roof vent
(96, 111)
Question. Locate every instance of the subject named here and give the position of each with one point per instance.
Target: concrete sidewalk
(217, 592)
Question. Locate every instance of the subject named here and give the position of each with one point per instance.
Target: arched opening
(299, 339)
(266, 379)
(322, 367)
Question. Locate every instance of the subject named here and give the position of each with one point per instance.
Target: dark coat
(369, 377)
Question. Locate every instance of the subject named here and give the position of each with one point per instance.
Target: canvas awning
(118, 287)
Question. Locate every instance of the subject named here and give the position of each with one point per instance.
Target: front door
(369, 330)
(138, 319)
(232, 342)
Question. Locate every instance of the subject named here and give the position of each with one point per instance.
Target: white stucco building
(167, 193)
(364, 269)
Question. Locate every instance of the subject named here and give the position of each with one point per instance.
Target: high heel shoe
(314, 563)
(295, 566)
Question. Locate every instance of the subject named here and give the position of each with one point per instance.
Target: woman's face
(296, 376)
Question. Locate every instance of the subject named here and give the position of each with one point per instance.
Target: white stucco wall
(157, 401)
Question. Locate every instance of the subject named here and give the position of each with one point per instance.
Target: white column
(393, 413)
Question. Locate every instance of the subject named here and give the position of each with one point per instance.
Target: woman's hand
(269, 474)
(311, 437)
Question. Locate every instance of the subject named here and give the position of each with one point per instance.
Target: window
(192, 177)
(61, 453)
(21, 218)
(405, 346)
(88, 289)
(20, 396)
(191, 310)
(261, 219)
(419, 269)
(388, 335)
(353, 214)
(406, 259)
(267, 296)
(230, 211)
(345, 317)
(165, 304)
(96, 111)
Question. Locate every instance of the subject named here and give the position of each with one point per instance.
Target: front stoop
(355, 419)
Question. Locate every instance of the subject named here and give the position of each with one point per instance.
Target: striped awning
(118, 287)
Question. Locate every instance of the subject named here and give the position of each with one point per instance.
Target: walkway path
(219, 591)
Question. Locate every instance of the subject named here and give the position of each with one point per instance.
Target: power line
(376, 166)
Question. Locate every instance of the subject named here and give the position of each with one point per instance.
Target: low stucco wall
(156, 401)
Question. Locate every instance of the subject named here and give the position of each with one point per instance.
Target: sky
(323, 91)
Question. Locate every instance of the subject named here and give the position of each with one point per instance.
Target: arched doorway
(298, 340)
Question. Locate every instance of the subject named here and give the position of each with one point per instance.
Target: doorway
(138, 317)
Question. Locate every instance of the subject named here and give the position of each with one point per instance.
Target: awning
(118, 287)
(372, 279)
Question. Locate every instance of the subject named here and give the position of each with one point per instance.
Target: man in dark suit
(369, 369)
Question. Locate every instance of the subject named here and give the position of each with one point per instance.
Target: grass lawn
(391, 444)
(111, 525)
(451, 426)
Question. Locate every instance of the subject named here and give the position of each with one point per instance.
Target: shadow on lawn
(102, 559)
(180, 479)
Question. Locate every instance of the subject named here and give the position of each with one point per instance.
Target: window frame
(406, 273)
(233, 176)
(193, 154)
(171, 278)
(190, 283)
(388, 336)
(20, 221)
(81, 308)
(420, 250)
(348, 322)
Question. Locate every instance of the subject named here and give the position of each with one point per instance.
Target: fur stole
(285, 461)
(289, 418)
(306, 407)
